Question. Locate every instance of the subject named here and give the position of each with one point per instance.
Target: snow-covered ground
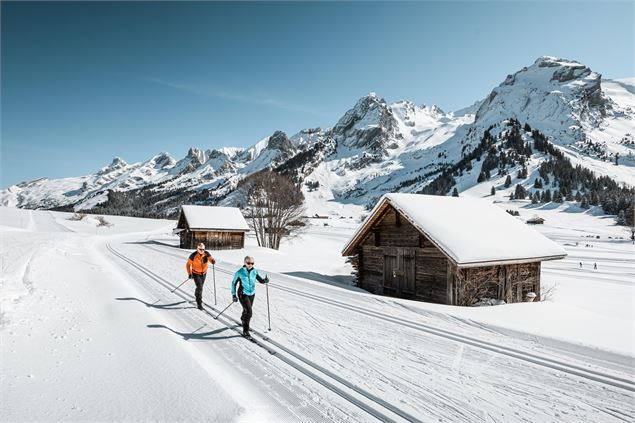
(90, 331)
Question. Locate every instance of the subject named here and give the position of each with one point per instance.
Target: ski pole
(268, 314)
(180, 285)
(230, 304)
(214, 276)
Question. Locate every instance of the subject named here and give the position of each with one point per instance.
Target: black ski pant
(247, 301)
(199, 280)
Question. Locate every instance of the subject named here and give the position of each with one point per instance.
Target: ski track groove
(543, 361)
(381, 416)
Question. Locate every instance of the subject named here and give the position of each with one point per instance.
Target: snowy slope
(92, 332)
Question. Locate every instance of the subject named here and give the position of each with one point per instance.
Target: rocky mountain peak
(368, 125)
(117, 163)
(163, 160)
(280, 141)
(563, 92)
(195, 155)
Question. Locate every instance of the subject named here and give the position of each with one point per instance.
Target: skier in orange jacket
(196, 268)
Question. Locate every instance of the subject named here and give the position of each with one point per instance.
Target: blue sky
(85, 81)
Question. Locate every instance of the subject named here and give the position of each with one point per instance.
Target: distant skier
(580, 265)
(595, 266)
(196, 268)
(244, 290)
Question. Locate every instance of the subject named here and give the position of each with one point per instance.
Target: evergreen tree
(455, 193)
(511, 196)
(584, 203)
(522, 173)
(508, 181)
(621, 218)
(534, 198)
(538, 183)
(493, 191)
(595, 199)
(547, 196)
(629, 215)
(520, 193)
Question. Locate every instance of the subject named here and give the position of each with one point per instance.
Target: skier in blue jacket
(244, 290)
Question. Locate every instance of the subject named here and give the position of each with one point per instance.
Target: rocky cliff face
(369, 126)
(561, 96)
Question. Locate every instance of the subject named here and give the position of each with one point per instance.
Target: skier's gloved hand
(267, 279)
(213, 260)
(234, 298)
(189, 276)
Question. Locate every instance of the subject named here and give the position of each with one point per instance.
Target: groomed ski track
(372, 405)
(598, 380)
(537, 359)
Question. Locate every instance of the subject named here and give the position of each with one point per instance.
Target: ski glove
(267, 279)
(189, 276)
(234, 298)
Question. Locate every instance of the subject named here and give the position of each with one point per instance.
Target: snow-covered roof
(469, 231)
(219, 218)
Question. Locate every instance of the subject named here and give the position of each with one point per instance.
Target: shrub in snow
(103, 222)
(77, 216)
(486, 302)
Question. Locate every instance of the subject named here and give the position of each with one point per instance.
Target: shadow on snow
(171, 306)
(203, 336)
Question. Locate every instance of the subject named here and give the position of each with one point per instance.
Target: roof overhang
(377, 212)
(217, 230)
(507, 262)
(362, 231)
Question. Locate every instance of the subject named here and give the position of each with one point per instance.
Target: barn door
(390, 274)
(399, 272)
(407, 267)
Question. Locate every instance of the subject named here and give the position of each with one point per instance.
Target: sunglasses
(201, 249)
(250, 262)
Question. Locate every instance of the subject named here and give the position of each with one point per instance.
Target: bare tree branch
(274, 206)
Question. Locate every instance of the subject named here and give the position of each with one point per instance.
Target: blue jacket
(247, 280)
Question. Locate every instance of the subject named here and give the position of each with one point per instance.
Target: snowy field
(92, 332)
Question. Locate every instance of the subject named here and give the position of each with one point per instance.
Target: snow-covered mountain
(378, 147)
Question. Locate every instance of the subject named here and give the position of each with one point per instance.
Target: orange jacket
(197, 263)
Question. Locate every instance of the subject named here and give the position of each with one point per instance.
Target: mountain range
(376, 147)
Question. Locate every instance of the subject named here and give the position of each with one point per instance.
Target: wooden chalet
(536, 220)
(219, 228)
(448, 250)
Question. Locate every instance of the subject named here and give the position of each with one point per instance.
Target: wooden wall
(213, 240)
(509, 282)
(395, 259)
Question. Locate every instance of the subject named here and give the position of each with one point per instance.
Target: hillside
(378, 147)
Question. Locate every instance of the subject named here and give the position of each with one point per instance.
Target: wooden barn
(448, 250)
(536, 220)
(220, 228)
